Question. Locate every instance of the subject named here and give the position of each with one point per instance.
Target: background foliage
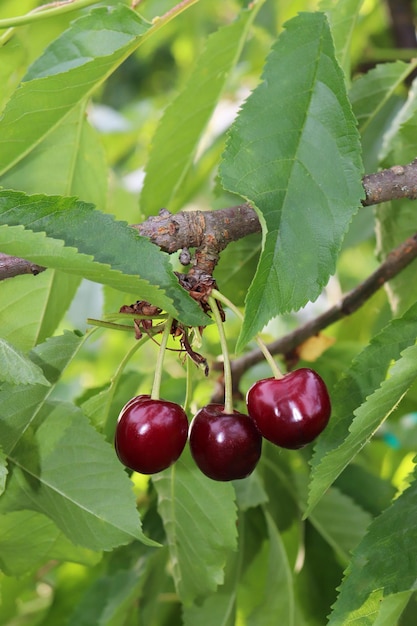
(107, 115)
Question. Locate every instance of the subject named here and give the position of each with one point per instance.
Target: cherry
(224, 446)
(134, 400)
(290, 411)
(150, 434)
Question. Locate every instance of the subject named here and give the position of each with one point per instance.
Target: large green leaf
(22, 551)
(176, 139)
(363, 399)
(67, 471)
(383, 564)
(46, 296)
(68, 71)
(294, 153)
(75, 233)
(199, 517)
(69, 161)
(274, 578)
(20, 405)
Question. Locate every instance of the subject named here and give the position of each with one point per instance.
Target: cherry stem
(228, 392)
(188, 386)
(268, 356)
(160, 360)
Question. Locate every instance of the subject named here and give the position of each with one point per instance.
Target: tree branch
(395, 262)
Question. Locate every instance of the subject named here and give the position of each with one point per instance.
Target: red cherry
(150, 434)
(224, 446)
(135, 400)
(290, 411)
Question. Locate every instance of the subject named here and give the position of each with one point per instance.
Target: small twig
(11, 266)
(399, 181)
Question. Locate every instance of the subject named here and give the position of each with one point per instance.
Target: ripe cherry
(224, 446)
(150, 434)
(290, 411)
(134, 400)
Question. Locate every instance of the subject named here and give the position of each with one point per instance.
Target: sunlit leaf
(16, 368)
(69, 70)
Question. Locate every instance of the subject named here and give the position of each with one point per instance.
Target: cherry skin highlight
(290, 411)
(150, 435)
(224, 446)
(132, 401)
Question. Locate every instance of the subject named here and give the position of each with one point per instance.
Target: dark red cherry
(224, 446)
(135, 400)
(150, 434)
(290, 411)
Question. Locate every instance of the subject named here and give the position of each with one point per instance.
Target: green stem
(160, 360)
(43, 13)
(228, 392)
(268, 356)
(188, 386)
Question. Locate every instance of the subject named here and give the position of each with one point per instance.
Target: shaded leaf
(383, 563)
(16, 368)
(271, 159)
(22, 551)
(396, 220)
(199, 517)
(375, 100)
(110, 600)
(341, 522)
(277, 603)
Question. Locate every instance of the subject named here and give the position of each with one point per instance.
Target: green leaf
(343, 16)
(276, 605)
(69, 161)
(370, 92)
(341, 522)
(294, 153)
(383, 563)
(23, 551)
(47, 297)
(17, 369)
(75, 233)
(367, 394)
(3, 471)
(176, 139)
(110, 600)
(67, 471)
(396, 221)
(20, 404)
(199, 517)
(374, 98)
(68, 71)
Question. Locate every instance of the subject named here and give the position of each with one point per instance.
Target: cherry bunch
(289, 410)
